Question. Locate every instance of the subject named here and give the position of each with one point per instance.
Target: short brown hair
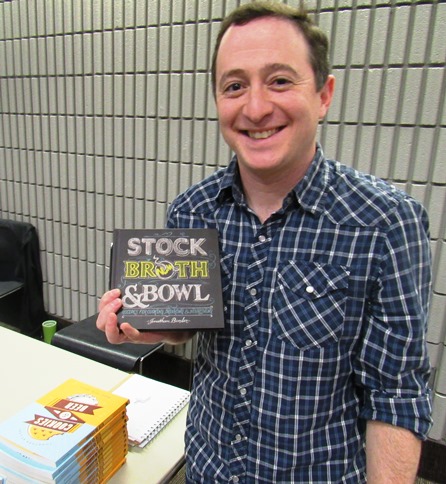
(316, 39)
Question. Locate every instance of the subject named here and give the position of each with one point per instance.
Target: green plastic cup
(49, 328)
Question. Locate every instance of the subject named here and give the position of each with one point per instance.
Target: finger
(112, 330)
(135, 336)
(111, 308)
(131, 334)
(108, 297)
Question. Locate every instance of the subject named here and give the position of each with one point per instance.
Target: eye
(234, 87)
(281, 82)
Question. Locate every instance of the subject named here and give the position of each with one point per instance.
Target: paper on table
(152, 405)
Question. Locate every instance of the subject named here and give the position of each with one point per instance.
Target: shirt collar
(309, 193)
(231, 185)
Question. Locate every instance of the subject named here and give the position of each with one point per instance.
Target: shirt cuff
(413, 414)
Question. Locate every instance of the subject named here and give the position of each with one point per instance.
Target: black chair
(21, 283)
(83, 338)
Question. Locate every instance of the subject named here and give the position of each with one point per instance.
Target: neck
(264, 194)
(265, 190)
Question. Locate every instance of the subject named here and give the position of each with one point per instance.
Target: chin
(262, 168)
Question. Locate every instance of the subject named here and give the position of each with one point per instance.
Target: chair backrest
(13, 237)
(20, 261)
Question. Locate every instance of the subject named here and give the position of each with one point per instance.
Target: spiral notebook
(153, 405)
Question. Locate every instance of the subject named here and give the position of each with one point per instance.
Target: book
(169, 278)
(73, 431)
(152, 406)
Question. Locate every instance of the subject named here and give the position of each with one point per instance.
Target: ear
(326, 95)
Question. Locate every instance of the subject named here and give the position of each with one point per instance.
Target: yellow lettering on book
(139, 269)
(192, 269)
(184, 269)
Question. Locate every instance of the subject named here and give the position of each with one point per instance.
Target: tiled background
(106, 114)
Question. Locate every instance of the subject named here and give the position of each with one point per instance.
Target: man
(320, 374)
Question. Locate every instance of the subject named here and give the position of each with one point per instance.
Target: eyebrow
(277, 66)
(265, 70)
(230, 73)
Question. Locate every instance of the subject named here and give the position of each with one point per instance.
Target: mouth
(261, 134)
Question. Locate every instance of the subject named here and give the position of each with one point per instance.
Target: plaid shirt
(326, 309)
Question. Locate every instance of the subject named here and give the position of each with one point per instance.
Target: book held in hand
(169, 278)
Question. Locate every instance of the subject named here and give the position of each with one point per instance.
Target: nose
(257, 104)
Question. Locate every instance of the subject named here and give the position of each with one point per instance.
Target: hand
(107, 321)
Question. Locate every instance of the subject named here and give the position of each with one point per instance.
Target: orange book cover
(60, 425)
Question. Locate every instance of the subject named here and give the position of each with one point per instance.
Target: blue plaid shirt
(326, 308)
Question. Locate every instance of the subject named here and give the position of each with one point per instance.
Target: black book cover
(169, 278)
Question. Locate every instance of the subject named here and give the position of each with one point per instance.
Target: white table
(30, 368)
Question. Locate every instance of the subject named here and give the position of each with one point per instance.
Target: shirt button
(253, 291)
(238, 438)
(262, 238)
(310, 289)
(235, 479)
(243, 391)
(248, 343)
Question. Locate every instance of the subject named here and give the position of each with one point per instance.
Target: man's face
(266, 97)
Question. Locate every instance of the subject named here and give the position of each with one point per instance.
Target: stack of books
(74, 433)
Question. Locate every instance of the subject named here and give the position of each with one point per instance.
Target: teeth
(262, 134)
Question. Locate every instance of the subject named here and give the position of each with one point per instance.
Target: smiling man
(320, 374)
(269, 107)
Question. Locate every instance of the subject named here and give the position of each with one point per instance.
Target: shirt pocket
(309, 303)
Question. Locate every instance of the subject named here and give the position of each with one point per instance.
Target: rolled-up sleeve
(392, 366)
